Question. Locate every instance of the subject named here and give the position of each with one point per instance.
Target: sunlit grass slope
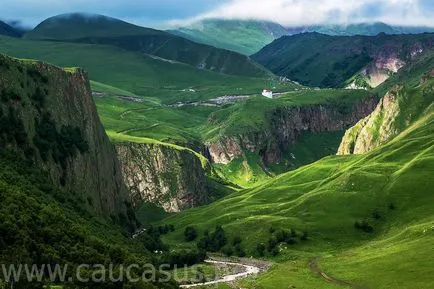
(139, 73)
(391, 188)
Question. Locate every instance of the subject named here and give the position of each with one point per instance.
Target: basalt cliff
(286, 125)
(49, 117)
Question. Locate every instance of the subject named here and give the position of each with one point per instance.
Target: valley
(121, 144)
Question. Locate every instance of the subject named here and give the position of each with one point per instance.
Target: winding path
(249, 270)
(314, 267)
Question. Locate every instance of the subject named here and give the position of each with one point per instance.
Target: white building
(267, 93)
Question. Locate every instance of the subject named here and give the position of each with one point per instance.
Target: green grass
(138, 73)
(191, 126)
(148, 213)
(245, 37)
(326, 198)
(98, 29)
(253, 115)
(245, 171)
(109, 90)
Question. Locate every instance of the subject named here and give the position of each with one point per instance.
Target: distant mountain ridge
(250, 36)
(342, 61)
(367, 29)
(6, 29)
(103, 30)
(246, 37)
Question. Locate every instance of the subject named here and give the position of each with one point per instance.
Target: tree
(236, 240)
(190, 234)
(260, 250)
(239, 251)
(228, 251)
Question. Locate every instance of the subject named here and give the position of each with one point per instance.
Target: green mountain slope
(246, 37)
(367, 216)
(141, 74)
(78, 25)
(329, 61)
(8, 30)
(97, 29)
(62, 199)
(400, 107)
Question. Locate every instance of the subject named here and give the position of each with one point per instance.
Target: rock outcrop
(286, 125)
(48, 115)
(170, 177)
(374, 130)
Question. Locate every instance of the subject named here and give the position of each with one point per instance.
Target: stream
(249, 270)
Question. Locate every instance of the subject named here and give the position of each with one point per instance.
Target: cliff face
(172, 178)
(49, 116)
(374, 130)
(286, 125)
(401, 106)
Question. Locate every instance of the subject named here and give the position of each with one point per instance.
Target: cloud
(286, 12)
(306, 12)
(31, 12)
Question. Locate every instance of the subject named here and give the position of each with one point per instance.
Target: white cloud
(306, 12)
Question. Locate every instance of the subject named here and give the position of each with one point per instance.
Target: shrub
(239, 251)
(376, 215)
(190, 234)
(228, 251)
(213, 242)
(236, 240)
(364, 226)
(272, 243)
(184, 258)
(260, 250)
(274, 252)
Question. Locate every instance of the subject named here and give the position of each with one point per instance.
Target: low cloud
(307, 12)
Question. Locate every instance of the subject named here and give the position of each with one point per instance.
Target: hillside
(330, 61)
(245, 37)
(79, 25)
(367, 216)
(401, 106)
(141, 74)
(63, 199)
(368, 29)
(8, 30)
(97, 29)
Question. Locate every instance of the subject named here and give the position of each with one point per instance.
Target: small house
(267, 93)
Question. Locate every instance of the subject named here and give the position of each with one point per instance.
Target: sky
(157, 13)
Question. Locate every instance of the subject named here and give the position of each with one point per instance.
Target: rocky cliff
(374, 130)
(397, 110)
(171, 177)
(48, 115)
(286, 125)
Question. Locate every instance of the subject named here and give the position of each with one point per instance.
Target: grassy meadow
(391, 188)
(141, 74)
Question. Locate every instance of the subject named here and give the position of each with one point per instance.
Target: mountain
(61, 188)
(68, 142)
(243, 36)
(97, 29)
(401, 106)
(363, 219)
(337, 61)
(367, 29)
(249, 36)
(144, 75)
(6, 29)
